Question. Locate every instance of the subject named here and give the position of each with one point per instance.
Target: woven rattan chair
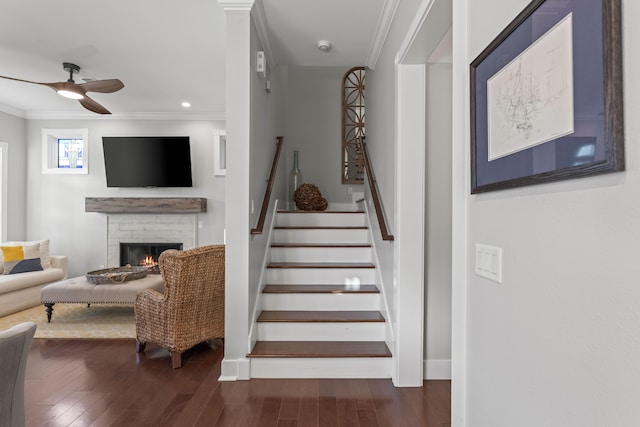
(191, 310)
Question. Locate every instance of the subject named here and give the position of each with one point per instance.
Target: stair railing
(373, 189)
(267, 192)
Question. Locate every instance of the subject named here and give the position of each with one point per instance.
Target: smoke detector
(324, 45)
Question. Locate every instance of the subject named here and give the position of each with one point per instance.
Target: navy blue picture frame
(597, 144)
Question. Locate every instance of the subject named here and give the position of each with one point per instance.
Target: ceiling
(164, 51)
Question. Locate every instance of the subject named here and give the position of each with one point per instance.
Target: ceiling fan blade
(20, 80)
(103, 86)
(54, 86)
(92, 105)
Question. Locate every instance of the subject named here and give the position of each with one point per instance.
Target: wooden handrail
(267, 192)
(373, 188)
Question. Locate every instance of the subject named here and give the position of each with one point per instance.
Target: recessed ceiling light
(186, 104)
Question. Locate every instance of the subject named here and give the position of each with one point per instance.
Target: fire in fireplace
(145, 254)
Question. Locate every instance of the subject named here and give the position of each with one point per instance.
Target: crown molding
(13, 111)
(236, 4)
(260, 19)
(57, 115)
(382, 31)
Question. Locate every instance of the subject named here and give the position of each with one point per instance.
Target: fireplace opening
(145, 254)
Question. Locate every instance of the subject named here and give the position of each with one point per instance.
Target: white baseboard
(235, 369)
(437, 369)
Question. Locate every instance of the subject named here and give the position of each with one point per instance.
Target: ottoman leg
(140, 346)
(49, 309)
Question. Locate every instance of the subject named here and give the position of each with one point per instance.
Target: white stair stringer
(384, 302)
(320, 262)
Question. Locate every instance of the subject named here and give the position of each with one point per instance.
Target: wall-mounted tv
(144, 161)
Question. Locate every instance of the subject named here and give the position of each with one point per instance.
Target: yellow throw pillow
(44, 250)
(21, 259)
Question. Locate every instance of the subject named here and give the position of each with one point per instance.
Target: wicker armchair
(191, 310)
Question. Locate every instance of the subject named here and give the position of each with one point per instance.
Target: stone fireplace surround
(147, 220)
(148, 228)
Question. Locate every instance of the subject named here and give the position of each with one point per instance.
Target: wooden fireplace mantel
(149, 205)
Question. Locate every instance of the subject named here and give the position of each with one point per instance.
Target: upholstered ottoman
(78, 290)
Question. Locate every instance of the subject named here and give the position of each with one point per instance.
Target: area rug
(78, 321)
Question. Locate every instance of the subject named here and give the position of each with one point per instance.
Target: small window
(65, 151)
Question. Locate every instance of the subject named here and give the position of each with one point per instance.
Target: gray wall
(438, 214)
(55, 203)
(13, 132)
(381, 143)
(556, 344)
(267, 123)
(314, 120)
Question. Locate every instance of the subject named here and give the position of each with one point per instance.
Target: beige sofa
(22, 290)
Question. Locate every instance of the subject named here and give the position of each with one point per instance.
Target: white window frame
(4, 188)
(50, 139)
(220, 152)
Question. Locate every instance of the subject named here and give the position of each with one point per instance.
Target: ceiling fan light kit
(71, 89)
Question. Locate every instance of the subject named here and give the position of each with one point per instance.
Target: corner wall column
(235, 365)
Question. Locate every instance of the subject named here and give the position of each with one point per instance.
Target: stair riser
(318, 302)
(366, 367)
(320, 219)
(321, 254)
(321, 331)
(319, 276)
(320, 236)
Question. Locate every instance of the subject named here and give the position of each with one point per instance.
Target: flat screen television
(144, 161)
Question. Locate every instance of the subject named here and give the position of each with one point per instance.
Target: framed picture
(546, 96)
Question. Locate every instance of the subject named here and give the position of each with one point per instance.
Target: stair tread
(310, 349)
(320, 245)
(320, 316)
(320, 227)
(320, 265)
(324, 212)
(321, 289)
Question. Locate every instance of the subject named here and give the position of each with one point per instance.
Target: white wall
(237, 263)
(13, 132)
(557, 343)
(314, 123)
(55, 203)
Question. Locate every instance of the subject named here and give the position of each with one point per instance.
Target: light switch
(489, 262)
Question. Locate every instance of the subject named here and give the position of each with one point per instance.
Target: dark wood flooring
(106, 383)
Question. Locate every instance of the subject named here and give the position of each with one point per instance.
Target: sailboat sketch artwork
(530, 100)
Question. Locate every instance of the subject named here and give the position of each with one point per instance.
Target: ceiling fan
(73, 90)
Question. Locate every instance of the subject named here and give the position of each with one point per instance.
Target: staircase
(320, 313)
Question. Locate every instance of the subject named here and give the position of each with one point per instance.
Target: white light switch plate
(489, 262)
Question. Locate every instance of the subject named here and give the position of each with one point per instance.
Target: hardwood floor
(106, 383)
